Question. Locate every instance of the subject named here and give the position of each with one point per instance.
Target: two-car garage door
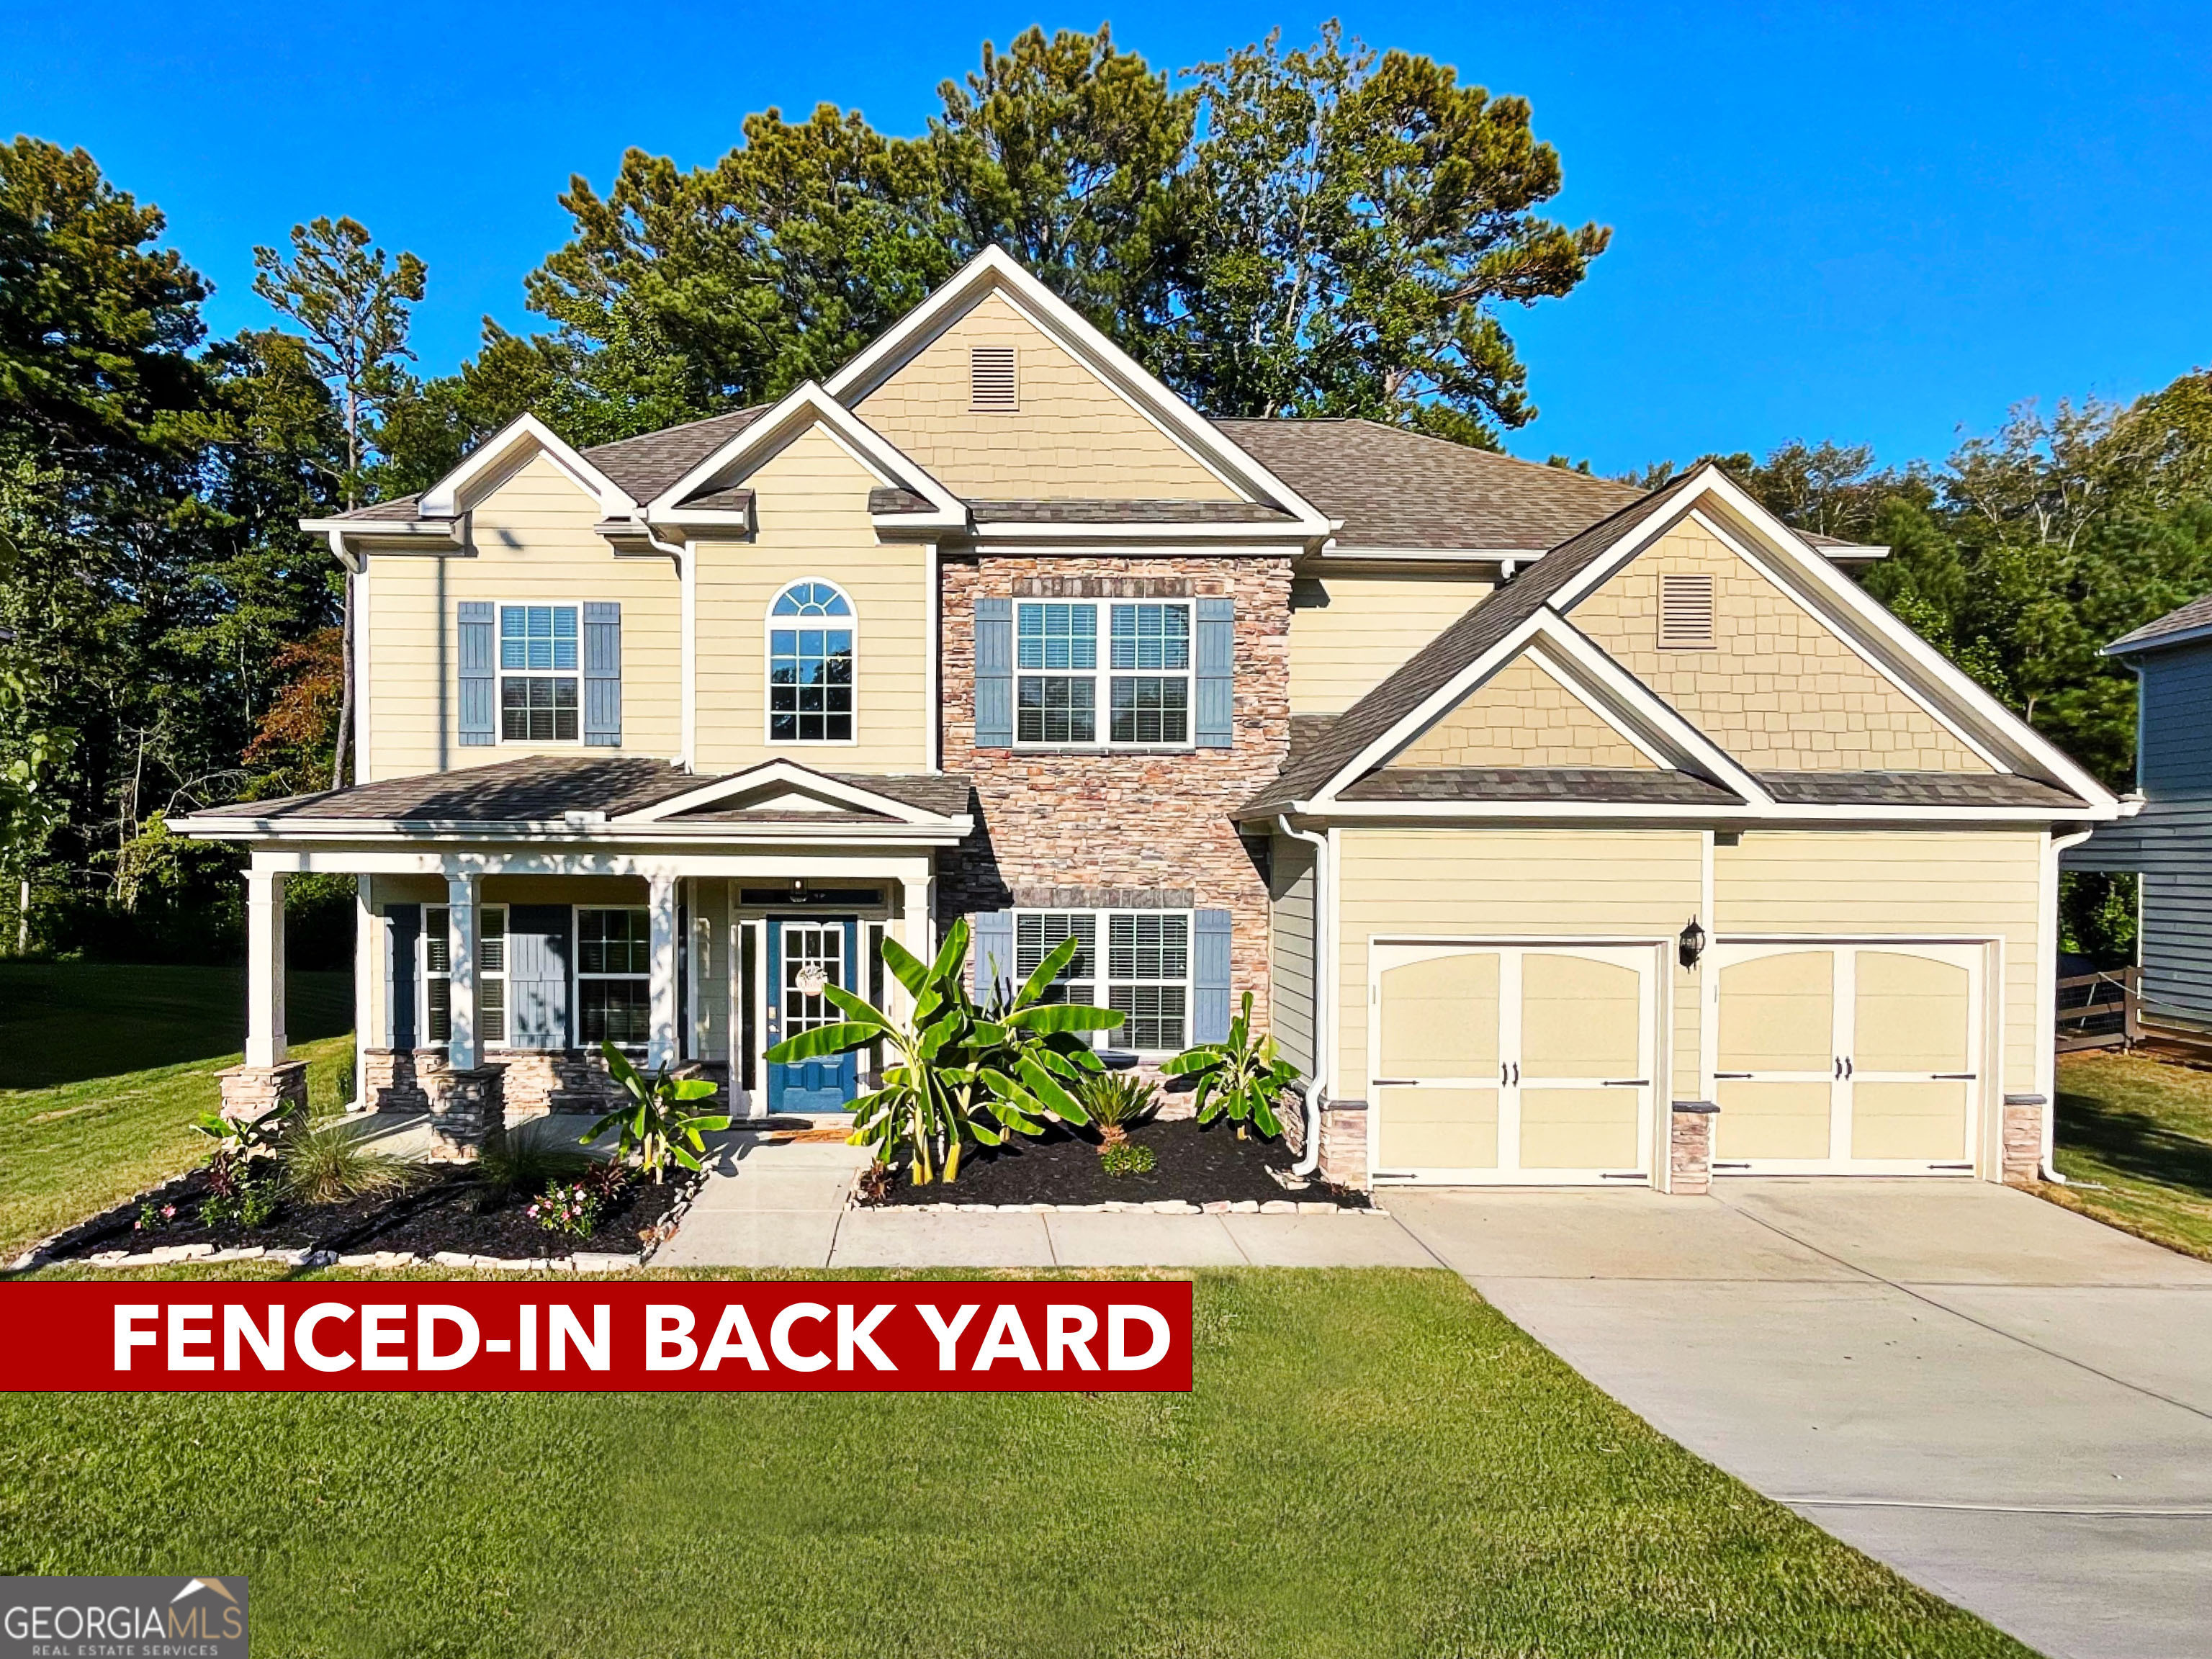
(1528, 1063)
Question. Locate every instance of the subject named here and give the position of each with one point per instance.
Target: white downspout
(2047, 994)
(1324, 1032)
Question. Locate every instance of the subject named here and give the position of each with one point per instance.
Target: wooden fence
(2100, 1010)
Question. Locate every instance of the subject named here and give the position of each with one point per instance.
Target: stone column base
(250, 1090)
(467, 1109)
(1690, 1147)
(389, 1076)
(2022, 1149)
(1343, 1143)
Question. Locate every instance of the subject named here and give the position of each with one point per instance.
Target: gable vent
(1686, 613)
(991, 383)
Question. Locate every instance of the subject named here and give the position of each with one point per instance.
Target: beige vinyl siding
(1779, 690)
(1953, 883)
(1349, 631)
(1622, 885)
(810, 506)
(1074, 436)
(1521, 716)
(1291, 938)
(530, 538)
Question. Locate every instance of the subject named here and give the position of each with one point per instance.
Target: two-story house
(1561, 832)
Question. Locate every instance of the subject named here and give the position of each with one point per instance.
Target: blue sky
(1876, 222)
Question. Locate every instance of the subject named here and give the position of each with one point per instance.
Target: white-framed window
(1135, 693)
(614, 975)
(540, 666)
(1145, 972)
(810, 664)
(437, 1023)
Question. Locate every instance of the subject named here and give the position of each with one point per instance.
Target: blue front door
(803, 957)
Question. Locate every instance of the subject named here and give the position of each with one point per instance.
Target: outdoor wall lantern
(1691, 945)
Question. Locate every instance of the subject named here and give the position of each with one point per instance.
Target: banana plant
(956, 1072)
(1242, 1076)
(658, 1121)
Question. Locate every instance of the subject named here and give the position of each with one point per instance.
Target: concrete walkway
(778, 1203)
(2007, 1402)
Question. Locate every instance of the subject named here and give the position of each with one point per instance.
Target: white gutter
(2046, 997)
(1324, 1033)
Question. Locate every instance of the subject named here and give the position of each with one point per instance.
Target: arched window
(810, 666)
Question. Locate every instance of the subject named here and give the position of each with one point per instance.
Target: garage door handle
(1725, 1077)
(1397, 1082)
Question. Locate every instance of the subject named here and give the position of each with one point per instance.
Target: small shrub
(154, 1218)
(568, 1206)
(328, 1165)
(243, 1204)
(1126, 1158)
(529, 1161)
(1116, 1101)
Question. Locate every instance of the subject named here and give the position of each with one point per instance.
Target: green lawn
(63, 1022)
(70, 1150)
(1371, 1463)
(2141, 1130)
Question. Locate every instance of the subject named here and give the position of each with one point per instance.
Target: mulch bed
(450, 1207)
(1197, 1165)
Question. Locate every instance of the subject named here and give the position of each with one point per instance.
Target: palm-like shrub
(1242, 1076)
(658, 1121)
(1115, 1101)
(956, 1072)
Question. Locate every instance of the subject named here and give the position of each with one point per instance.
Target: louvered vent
(990, 384)
(1686, 613)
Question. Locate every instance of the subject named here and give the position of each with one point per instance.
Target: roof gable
(1523, 714)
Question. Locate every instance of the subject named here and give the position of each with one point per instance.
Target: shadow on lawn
(2135, 1144)
(65, 1022)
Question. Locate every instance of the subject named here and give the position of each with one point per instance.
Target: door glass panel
(812, 957)
(1777, 1014)
(1916, 1121)
(1437, 1129)
(1771, 1120)
(1440, 1018)
(1910, 1015)
(1579, 1019)
(1578, 1128)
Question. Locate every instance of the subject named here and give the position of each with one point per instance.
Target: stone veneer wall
(1088, 828)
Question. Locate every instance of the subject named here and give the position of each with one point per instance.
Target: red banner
(686, 1336)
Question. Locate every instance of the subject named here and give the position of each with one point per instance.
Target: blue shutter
(478, 681)
(991, 948)
(994, 675)
(399, 978)
(603, 676)
(1217, 657)
(538, 976)
(1210, 977)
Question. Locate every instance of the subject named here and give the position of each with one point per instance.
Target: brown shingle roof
(402, 507)
(1430, 669)
(645, 465)
(1398, 489)
(2195, 617)
(1914, 789)
(540, 788)
(1541, 783)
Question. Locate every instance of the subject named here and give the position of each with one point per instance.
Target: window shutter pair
(1214, 726)
(479, 675)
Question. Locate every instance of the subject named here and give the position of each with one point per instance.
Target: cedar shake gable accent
(1443, 659)
(1914, 789)
(1541, 783)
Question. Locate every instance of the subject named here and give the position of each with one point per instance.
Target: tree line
(1325, 230)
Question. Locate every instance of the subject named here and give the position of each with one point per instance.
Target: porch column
(369, 1031)
(917, 895)
(265, 967)
(660, 1045)
(461, 1049)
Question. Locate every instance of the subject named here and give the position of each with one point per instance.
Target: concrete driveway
(2008, 1403)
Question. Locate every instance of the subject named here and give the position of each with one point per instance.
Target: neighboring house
(1541, 815)
(2168, 841)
